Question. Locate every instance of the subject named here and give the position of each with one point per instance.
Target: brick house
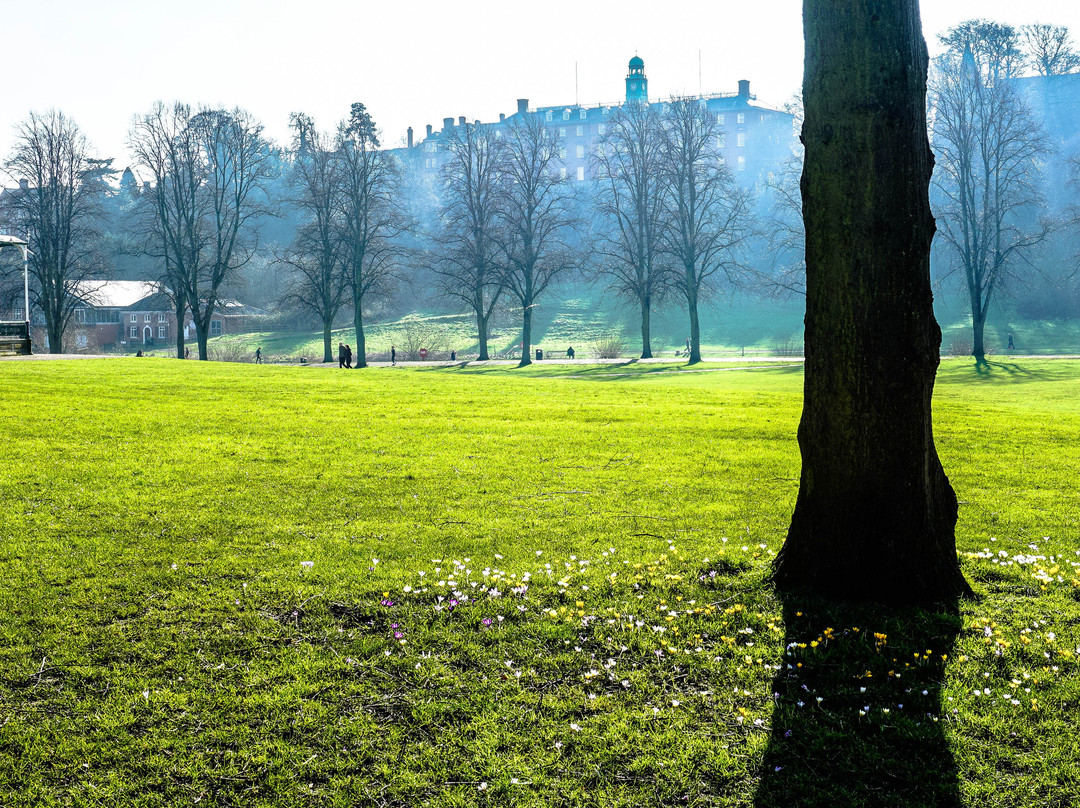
(130, 316)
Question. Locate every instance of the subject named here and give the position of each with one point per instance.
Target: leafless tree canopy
(210, 174)
(59, 211)
(469, 266)
(989, 152)
(709, 221)
(1050, 49)
(536, 217)
(371, 216)
(629, 203)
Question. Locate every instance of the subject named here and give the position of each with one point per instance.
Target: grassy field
(232, 585)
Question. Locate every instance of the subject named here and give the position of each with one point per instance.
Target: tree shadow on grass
(858, 717)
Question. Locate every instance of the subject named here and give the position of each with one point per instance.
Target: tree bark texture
(646, 328)
(361, 341)
(875, 514)
(526, 336)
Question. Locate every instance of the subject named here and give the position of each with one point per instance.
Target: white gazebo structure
(9, 339)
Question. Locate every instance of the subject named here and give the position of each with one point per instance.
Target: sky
(413, 63)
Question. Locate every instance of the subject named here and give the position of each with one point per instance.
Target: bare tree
(170, 209)
(210, 170)
(238, 165)
(786, 242)
(629, 200)
(317, 250)
(371, 217)
(1050, 49)
(875, 516)
(538, 218)
(709, 219)
(60, 210)
(994, 46)
(989, 149)
(469, 268)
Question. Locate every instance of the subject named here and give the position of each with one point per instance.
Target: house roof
(115, 294)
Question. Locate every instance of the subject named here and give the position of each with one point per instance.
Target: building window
(562, 152)
(741, 139)
(721, 140)
(215, 328)
(741, 118)
(162, 332)
(161, 317)
(580, 131)
(133, 332)
(720, 119)
(582, 115)
(581, 174)
(80, 315)
(146, 318)
(134, 318)
(562, 173)
(742, 163)
(547, 115)
(80, 340)
(601, 129)
(566, 114)
(605, 110)
(562, 131)
(580, 152)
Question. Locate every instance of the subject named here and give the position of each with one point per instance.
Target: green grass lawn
(237, 585)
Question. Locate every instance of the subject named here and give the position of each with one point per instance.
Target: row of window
(146, 318)
(162, 332)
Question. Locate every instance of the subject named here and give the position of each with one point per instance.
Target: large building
(755, 138)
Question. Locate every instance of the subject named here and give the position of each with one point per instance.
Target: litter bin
(539, 353)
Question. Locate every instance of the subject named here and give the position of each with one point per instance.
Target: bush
(609, 346)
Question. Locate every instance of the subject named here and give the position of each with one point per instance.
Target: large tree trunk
(526, 335)
(481, 331)
(695, 325)
(875, 515)
(646, 328)
(327, 342)
(181, 310)
(360, 354)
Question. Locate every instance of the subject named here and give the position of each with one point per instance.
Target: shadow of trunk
(859, 719)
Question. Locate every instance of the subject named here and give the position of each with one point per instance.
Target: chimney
(523, 106)
(24, 185)
(461, 120)
(502, 117)
(744, 88)
(429, 130)
(410, 137)
(447, 123)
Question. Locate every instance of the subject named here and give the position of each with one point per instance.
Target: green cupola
(637, 86)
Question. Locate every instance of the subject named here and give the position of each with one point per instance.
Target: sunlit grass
(289, 586)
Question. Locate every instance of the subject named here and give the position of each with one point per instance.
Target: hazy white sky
(412, 63)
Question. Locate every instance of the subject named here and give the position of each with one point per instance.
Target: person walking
(393, 355)
(570, 352)
(348, 356)
(258, 356)
(1011, 346)
(341, 354)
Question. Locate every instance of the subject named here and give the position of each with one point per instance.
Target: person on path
(453, 356)
(688, 345)
(341, 354)
(258, 356)
(1011, 346)
(348, 356)
(393, 355)
(570, 352)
